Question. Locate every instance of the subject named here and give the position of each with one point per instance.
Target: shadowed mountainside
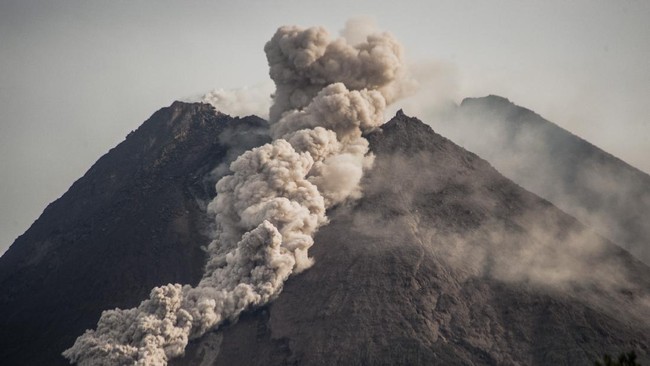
(135, 220)
(599, 189)
(442, 261)
(423, 270)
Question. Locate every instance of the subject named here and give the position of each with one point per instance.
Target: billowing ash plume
(303, 62)
(327, 94)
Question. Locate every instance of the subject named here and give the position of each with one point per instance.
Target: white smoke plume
(241, 102)
(327, 94)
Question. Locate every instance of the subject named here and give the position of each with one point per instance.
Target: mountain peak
(442, 258)
(430, 261)
(135, 220)
(491, 98)
(598, 188)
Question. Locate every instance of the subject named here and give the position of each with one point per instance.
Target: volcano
(443, 260)
(596, 187)
(133, 221)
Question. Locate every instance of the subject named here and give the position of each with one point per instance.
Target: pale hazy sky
(77, 76)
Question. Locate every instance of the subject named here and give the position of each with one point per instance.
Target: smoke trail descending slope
(267, 211)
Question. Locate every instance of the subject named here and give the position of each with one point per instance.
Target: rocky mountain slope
(443, 261)
(135, 220)
(597, 188)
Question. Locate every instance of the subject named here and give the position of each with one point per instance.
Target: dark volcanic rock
(135, 220)
(392, 284)
(599, 189)
(443, 261)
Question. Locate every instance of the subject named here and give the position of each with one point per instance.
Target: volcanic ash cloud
(267, 211)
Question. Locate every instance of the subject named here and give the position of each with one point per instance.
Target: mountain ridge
(507, 103)
(410, 284)
(593, 185)
(391, 260)
(133, 221)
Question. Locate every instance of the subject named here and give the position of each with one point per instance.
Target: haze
(76, 77)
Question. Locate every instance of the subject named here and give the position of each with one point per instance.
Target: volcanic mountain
(596, 187)
(133, 221)
(442, 261)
